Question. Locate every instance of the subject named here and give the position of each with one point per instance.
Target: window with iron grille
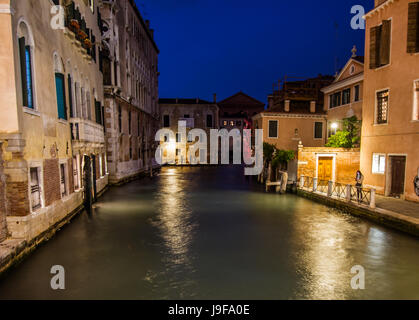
(382, 107)
(35, 189)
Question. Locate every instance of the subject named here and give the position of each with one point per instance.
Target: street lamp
(334, 125)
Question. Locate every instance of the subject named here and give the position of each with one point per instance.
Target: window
(177, 137)
(166, 121)
(346, 96)
(416, 100)
(357, 92)
(61, 100)
(413, 28)
(378, 163)
(98, 112)
(380, 37)
(382, 107)
(225, 123)
(186, 116)
(63, 188)
(35, 188)
(231, 123)
(129, 122)
(209, 121)
(273, 129)
(26, 67)
(88, 106)
(76, 176)
(138, 124)
(120, 119)
(70, 95)
(318, 130)
(335, 99)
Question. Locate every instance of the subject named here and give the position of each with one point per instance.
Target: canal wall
(383, 217)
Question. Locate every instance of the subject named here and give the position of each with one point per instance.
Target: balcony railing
(83, 130)
(338, 191)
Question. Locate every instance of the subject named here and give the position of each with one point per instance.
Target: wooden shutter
(413, 28)
(374, 46)
(70, 95)
(385, 42)
(23, 75)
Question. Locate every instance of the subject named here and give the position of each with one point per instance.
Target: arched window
(60, 87)
(26, 46)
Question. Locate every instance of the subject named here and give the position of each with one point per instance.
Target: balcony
(86, 131)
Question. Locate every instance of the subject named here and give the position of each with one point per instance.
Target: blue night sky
(224, 46)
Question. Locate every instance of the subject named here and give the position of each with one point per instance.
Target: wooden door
(325, 168)
(398, 167)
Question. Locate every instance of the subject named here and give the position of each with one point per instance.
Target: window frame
(379, 155)
(322, 131)
(277, 129)
(376, 107)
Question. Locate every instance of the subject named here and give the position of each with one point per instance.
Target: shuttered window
(273, 129)
(70, 95)
(413, 28)
(380, 41)
(166, 121)
(60, 90)
(382, 107)
(26, 73)
(318, 130)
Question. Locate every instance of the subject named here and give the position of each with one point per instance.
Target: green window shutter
(22, 54)
(413, 28)
(374, 46)
(60, 90)
(385, 43)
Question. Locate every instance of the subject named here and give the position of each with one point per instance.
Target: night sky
(224, 46)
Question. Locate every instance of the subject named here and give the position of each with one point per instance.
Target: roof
(183, 101)
(240, 98)
(297, 108)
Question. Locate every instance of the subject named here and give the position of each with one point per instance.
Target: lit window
(378, 163)
(382, 106)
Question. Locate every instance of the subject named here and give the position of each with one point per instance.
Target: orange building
(343, 98)
(390, 131)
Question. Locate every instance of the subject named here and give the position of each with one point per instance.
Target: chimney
(312, 106)
(287, 105)
(215, 98)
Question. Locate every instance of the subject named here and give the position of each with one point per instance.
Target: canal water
(209, 233)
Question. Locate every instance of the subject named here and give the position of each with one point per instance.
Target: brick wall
(3, 229)
(51, 181)
(346, 164)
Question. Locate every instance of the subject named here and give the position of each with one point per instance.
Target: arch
(58, 63)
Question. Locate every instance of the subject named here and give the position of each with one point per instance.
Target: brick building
(51, 123)
(390, 128)
(197, 113)
(130, 66)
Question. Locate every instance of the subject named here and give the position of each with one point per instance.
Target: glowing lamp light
(334, 125)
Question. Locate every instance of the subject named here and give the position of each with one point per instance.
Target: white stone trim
(7, 9)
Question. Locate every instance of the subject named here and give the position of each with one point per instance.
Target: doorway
(325, 169)
(397, 172)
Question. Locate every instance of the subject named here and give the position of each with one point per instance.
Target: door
(398, 167)
(325, 169)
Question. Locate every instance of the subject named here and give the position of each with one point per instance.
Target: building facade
(390, 130)
(343, 98)
(52, 143)
(295, 116)
(130, 66)
(236, 112)
(198, 114)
